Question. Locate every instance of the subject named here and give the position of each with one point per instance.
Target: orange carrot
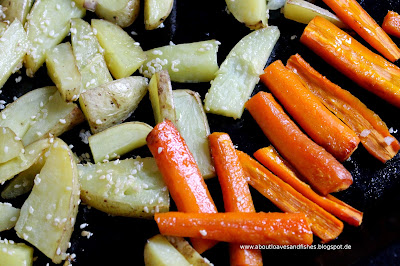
(181, 174)
(373, 132)
(391, 24)
(308, 111)
(321, 170)
(323, 224)
(270, 158)
(235, 227)
(235, 191)
(369, 70)
(351, 13)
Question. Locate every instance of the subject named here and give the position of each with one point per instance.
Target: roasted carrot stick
(285, 197)
(351, 13)
(235, 191)
(373, 132)
(321, 170)
(181, 174)
(308, 111)
(391, 24)
(270, 158)
(235, 227)
(369, 70)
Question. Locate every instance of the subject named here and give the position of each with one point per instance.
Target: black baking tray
(120, 240)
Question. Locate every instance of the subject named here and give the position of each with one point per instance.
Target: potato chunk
(190, 254)
(239, 73)
(113, 102)
(162, 101)
(16, 9)
(23, 182)
(15, 254)
(48, 215)
(47, 25)
(3, 27)
(118, 140)
(18, 115)
(121, 12)
(10, 145)
(123, 55)
(303, 12)
(84, 43)
(188, 62)
(159, 252)
(155, 12)
(59, 117)
(131, 187)
(193, 125)
(13, 47)
(62, 69)
(24, 161)
(9, 216)
(253, 13)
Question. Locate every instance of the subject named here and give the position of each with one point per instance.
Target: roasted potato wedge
(190, 254)
(303, 12)
(10, 145)
(95, 73)
(253, 13)
(239, 73)
(188, 62)
(193, 125)
(162, 100)
(15, 254)
(16, 9)
(59, 117)
(84, 42)
(113, 102)
(24, 161)
(18, 115)
(155, 12)
(9, 216)
(121, 12)
(47, 25)
(118, 140)
(131, 187)
(48, 215)
(122, 54)
(23, 182)
(159, 252)
(13, 47)
(62, 69)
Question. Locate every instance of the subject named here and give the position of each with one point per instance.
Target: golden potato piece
(9, 216)
(253, 13)
(122, 54)
(190, 254)
(113, 102)
(155, 12)
(159, 252)
(15, 253)
(48, 215)
(16, 9)
(118, 140)
(131, 187)
(121, 12)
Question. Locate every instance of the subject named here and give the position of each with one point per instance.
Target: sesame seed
(31, 210)
(62, 121)
(98, 122)
(5, 149)
(159, 150)
(203, 232)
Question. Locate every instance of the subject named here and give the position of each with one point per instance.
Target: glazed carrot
(391, 24)
(235, 191)
(308, 111)
(270, 158)
(321, 170)
(181, 174)
(373, 132)
(369, 70)
(235, 227)
(285, 197)
(351, 13)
